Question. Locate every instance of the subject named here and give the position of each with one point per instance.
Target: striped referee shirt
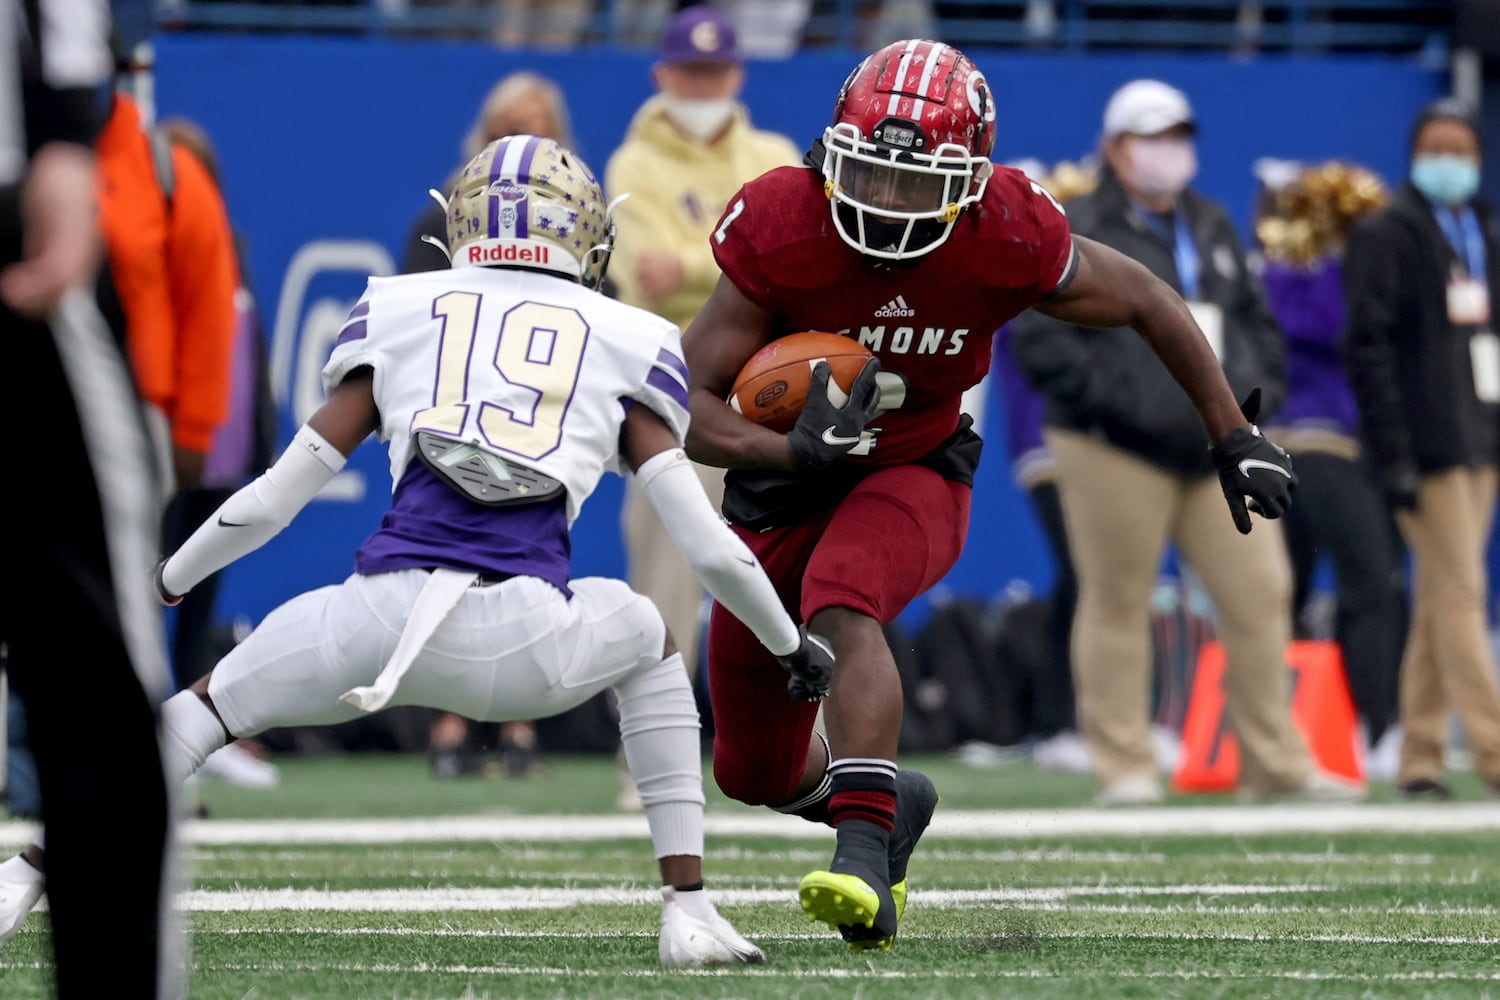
(55, 62)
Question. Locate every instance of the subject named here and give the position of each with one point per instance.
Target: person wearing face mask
(1133, 474)
(686, 152)
(1424, 363)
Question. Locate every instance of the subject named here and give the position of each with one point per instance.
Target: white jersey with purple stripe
(535, 369)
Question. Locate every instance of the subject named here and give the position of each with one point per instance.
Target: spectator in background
(769, 29)
(171, 289)
(243, 446)
(1424, 361)
(520, 103)
(1340, 512)
(686, 152)
(82, 532)
(1134, 473)
(1058, 745)
(549, 24)
(868, 24)
(170, 277)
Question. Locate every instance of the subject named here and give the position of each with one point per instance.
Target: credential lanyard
(1184, 250)
(1461, 227)
(1185, 253)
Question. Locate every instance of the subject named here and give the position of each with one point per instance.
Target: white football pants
(512, 650)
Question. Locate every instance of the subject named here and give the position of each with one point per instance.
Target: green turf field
(342, 884)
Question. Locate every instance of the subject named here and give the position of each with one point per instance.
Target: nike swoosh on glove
(811, 667)
(826, 431)
(1255, 472)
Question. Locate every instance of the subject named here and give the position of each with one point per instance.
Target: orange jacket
(175, 273)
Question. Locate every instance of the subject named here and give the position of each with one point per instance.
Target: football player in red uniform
(899, 232)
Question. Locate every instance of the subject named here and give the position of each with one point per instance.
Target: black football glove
(825, 432)
(811, 667)
(1254, 468)
(168, 598)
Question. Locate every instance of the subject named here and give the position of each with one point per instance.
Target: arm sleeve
(1373, 281)
(256, 513)
(204, 277)
(720, 560)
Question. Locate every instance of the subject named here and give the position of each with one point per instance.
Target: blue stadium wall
(329, 145)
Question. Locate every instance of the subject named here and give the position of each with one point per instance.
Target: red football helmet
(908, 149)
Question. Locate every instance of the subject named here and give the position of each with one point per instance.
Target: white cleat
(702, 939)
(234, 765)
(21, 886)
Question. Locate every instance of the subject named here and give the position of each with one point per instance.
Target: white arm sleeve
(256, 513)
(726, 567)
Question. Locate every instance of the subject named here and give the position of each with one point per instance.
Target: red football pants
(894, 536)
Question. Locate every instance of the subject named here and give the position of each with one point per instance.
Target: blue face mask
(1447, 180)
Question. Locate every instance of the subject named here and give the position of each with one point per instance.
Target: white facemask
(1161, 167)
(701, 119)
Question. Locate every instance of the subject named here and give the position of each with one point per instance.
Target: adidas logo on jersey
(895, 308)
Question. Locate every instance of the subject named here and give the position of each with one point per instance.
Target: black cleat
(916, 798)
(854, 895)
(859, 907)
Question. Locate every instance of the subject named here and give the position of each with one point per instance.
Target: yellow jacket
(678, 189)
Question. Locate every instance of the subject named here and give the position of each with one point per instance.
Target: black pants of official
(1340, 514)
(93, 724)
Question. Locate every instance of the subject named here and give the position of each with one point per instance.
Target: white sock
(659, 730)
(190, 732)
(695, 903)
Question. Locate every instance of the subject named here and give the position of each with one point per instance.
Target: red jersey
(930, 320)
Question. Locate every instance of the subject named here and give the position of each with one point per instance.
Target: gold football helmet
(525, 201)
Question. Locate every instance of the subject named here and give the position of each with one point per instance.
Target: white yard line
(1465, 817)
(455, 899)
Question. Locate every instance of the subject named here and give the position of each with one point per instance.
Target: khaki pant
(1448, 665)
(657, 569)
(1120, 512)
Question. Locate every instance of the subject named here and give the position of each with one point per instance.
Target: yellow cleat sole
(898, 896)
(843, 901)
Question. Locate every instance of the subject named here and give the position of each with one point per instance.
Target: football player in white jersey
(505, 388)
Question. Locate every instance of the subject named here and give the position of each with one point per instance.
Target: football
(772, 386)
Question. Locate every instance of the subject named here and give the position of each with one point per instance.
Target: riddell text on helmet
(504, 253)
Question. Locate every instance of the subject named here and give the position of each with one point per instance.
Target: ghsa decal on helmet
(908, 149)
(525, 201)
